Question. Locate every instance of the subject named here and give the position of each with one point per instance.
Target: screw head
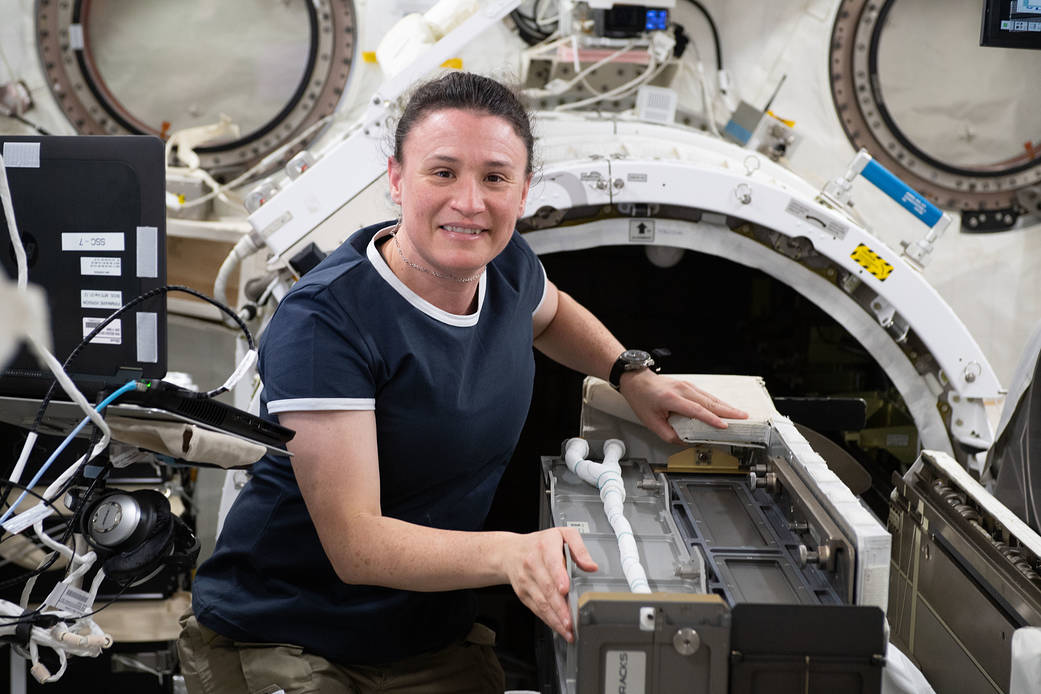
(686, 641)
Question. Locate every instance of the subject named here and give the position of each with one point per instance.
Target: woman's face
(461, 187)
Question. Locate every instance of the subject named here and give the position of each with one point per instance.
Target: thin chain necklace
(435, 273)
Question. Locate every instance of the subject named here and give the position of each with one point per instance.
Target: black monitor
(91, 214)
(1011, 24)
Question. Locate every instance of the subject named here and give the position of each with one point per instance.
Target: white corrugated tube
(607, 477)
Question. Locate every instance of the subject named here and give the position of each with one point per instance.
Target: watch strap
(622, 365)
(617, 369)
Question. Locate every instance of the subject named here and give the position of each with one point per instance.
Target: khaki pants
(213, 664)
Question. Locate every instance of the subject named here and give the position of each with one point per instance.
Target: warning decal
(871, 262)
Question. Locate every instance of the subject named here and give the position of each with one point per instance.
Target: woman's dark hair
(469, 92)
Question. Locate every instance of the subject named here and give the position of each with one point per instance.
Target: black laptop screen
(91, 215)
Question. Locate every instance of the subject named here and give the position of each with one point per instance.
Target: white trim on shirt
(416, 300)
(545, 286)
(316, 404)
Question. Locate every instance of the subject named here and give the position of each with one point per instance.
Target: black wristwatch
(634, 360)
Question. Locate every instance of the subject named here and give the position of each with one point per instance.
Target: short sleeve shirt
(450, 395)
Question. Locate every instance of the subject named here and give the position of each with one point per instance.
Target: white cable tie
(19, 467)
(248, 360)
(17, 524)
(93, 593)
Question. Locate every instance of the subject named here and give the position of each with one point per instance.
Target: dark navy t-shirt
(450, 395)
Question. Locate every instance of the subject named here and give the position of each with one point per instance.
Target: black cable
(529, 34)
(528, 25)
(123, 309)
(24, 121)
(715, 33)
(122, 589)
(36, 614)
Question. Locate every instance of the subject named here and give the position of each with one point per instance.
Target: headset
(136, 535)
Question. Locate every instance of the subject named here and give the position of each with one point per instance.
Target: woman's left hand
(653, 398)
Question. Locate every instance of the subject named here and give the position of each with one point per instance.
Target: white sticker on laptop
(22, 155)
(93, 241)
(96, 298)
(104, 267)
(111, 334)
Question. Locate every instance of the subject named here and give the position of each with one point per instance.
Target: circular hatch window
(957, 121)
(275, 68)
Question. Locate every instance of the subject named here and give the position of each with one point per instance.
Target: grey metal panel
(901, 595)
(763, 579)
(723, 517)
(965, 611)
(933, 647)
(746, 544)
(961, 580)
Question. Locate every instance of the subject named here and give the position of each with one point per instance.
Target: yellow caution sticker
(872, 262)
(369, 56)
(454, 63)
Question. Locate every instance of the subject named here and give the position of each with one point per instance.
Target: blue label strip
(904, 194)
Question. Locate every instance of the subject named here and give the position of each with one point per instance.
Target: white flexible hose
(46, 539)
(12, 228)
(93, 593)
(607, 477)
(27, 589)
(85, 561)
(245, 247)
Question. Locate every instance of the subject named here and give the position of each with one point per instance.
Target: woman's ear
(524, 195)
(394, 176)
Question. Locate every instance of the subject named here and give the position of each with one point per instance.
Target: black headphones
(136, 535)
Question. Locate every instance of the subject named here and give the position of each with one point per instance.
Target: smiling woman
(351, 564)
(461, 184)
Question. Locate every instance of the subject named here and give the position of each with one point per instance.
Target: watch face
(635, 356)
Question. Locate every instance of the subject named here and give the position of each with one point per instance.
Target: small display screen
(1011, 24)
(657, 20)
(624, 21)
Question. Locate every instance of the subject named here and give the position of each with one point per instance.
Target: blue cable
(128, 386)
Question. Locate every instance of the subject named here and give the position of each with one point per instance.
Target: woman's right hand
(538, 573)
